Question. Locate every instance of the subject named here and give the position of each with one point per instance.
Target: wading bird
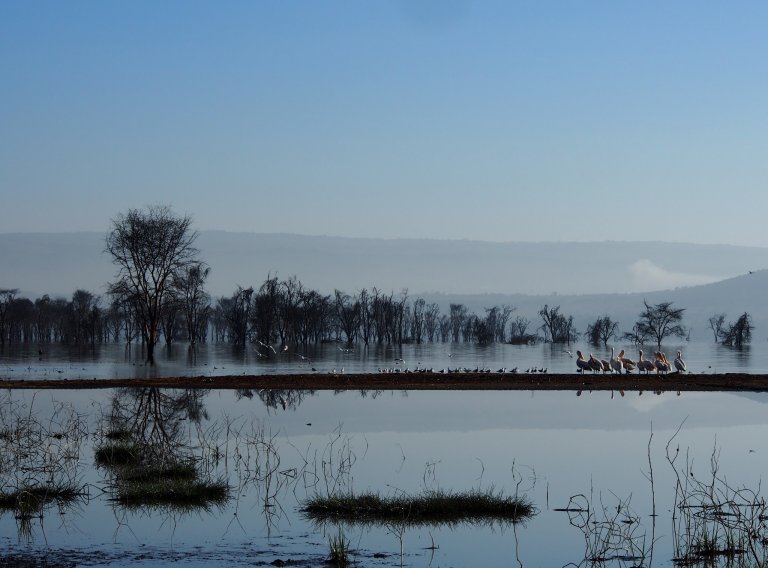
(581, 363)
(679, 363)
(645, 364)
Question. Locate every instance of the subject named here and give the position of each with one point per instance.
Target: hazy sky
(498, 121)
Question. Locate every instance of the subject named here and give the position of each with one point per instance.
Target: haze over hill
(59, 263)
(586, 279)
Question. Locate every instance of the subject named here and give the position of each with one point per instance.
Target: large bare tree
(660, 321)
(151, 249)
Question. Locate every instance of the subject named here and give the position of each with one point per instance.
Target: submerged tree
(738, 334)
(151, 249)
(660, 321)
(602, 330)
(716, 323)
(557, 328)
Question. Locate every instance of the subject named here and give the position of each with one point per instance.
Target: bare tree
(661, 321)
(195, 300)
(716, 323)
(150, 249)
(6, 298)
(557, 328)
(602, 330)
(738, 334)
(518, 331)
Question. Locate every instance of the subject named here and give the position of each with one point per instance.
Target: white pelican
(679, 363)
(662, 365)
(615, 363)
(581, 363)
(594, 363)
(645, 364)
(626, 362)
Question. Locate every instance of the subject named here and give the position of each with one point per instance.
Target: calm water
(549, 446)
(216, 359)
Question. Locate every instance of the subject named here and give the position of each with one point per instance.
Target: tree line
(159, 291)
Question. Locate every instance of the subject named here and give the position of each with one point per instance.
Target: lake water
(276, 449)
(549, 446)
(115, 360)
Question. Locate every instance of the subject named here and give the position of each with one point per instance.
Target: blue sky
(501, 121)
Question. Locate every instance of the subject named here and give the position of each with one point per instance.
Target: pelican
(581, 363)
(627, 363)
(662, 365)
(615, 363)
(645, 364)
(594, 363)
(679, 363)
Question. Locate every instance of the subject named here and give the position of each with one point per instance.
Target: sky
(497, 121)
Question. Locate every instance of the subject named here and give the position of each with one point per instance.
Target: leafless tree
(660, 321)
(6, 297)
(602, 330)
(150, 249)
(716, 323)
(557, 328)
(458, 316)
(738, 334)
(190, 286)
(431, 321)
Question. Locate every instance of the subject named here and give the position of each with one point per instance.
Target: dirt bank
(423, 381)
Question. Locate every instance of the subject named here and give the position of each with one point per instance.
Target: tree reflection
(147, 452)
(39, 463)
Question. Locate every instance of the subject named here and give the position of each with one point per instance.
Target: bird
(303, 357)
(581, 363)
(645, 364)
(679, 363)
(627, 363)
(615, 363)
(267, 346)
(568, 352)
(662, 365)
(594, 363)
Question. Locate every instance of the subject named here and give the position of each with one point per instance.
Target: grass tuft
(432, 507)
(173, 492)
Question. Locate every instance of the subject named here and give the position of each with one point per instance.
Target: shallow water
(548, 446)
(119, 361)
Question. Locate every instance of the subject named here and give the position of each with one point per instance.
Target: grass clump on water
(181, 493)
(431, 507)
(30, 500)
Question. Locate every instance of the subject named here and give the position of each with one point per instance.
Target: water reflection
(113, 360)
(634, 506)
(39, 464)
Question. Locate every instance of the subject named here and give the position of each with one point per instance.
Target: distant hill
(58, 263)
(733, 296)
(585, 279)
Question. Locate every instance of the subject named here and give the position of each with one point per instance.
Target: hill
(585, 279)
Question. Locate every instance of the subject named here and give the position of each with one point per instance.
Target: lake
(616, 458)
(117, 361)
(548, 446)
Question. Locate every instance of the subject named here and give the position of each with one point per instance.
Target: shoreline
(723, 382)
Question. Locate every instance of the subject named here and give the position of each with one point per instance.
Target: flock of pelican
(660, 363)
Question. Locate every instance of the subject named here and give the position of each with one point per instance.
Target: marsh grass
(120, 454)
(30, 501)
(181, 493)
(433, 507)
(338, 554)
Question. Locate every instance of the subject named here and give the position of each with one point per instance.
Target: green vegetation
(430, 508)
(339, 550)
(28, 501)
